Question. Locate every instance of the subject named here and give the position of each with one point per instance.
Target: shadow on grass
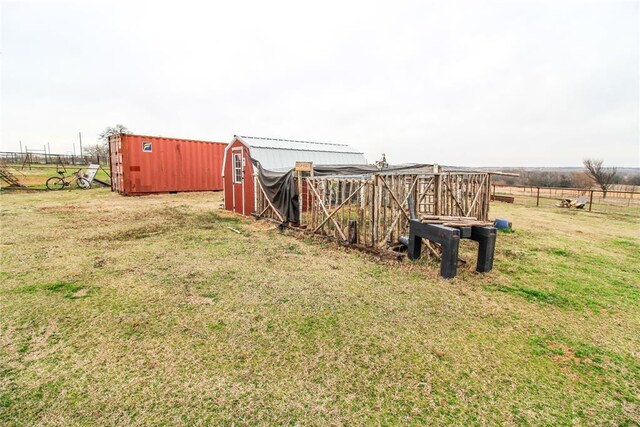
(534, 295)
(70, 290)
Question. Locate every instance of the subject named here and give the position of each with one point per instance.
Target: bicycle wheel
(83, 183)
(55, 183)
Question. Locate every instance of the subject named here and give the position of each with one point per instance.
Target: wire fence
(33, 159)
(594, 200)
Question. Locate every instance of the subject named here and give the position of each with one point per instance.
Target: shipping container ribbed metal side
(151, 164)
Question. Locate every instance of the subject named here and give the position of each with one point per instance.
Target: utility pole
(80, 137)
(20, 147)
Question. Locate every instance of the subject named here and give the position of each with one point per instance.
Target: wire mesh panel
(613, 201)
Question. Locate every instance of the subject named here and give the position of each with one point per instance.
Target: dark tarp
(327, 170)
(281, 189)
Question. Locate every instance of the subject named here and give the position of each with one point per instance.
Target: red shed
(153, 164)
(278, 155)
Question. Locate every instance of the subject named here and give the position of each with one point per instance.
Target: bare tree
(604, 177)
(112, 130)
(99, 151)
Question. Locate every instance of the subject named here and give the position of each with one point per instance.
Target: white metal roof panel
(282, 154)
(288, 144)
(274, 159)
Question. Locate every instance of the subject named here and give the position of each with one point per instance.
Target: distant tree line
(556, 179)
(593, 175)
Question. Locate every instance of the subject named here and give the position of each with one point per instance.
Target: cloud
(478, 83)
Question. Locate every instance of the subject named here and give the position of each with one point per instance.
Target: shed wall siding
(238, 197)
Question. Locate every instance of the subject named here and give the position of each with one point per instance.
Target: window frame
(237, 168)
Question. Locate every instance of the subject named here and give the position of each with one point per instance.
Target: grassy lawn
(150, 310)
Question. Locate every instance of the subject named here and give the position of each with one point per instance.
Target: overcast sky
(465, 83)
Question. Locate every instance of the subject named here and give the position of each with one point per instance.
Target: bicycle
(62, 181)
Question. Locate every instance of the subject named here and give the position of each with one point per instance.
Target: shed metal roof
(282, 154)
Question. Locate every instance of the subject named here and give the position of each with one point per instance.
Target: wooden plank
(447, 217)
(453, 197)
(376, 205)
(344, 202)
(436, 194)
(473, 203)
(429, 246)
(269, 202)
(468, 224)
(394, 198)
(425, 191)
(321, 204)
(397, 216)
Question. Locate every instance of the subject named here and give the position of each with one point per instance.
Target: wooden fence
(39, 159)
(548, 196)
(373, 210)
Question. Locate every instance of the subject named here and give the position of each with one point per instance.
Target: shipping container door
(115, 162)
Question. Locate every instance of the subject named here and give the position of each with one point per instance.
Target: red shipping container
(153, 164)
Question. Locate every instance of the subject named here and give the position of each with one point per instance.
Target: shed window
(237, 168)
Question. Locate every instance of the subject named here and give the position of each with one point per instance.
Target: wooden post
(436, 195)
(374, 209)
(590, 200)
(353, 231)
(538, 197)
